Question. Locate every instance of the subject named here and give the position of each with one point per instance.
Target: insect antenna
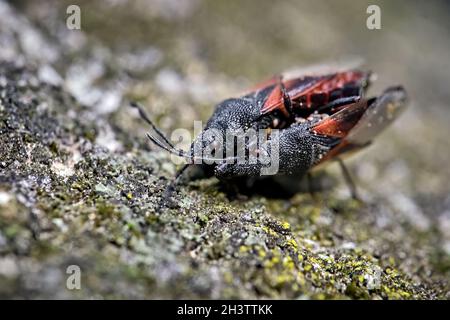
(147, 119)
(160, 144)
(183, 154)
(170, 189)
(170, 148)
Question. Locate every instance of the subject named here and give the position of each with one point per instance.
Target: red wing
(339, 124)
(358, 123)
(310, 70)
(307, 86)
(269, 91)
(294, 88)
(381, 113)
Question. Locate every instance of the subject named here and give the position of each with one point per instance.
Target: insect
(319, 117)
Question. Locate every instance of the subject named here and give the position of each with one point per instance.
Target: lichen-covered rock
(80, 186)
(66, 200)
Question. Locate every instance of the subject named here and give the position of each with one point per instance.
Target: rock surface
(79, 185)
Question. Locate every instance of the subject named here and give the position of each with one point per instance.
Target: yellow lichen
(270, 231)
(292, 244)
(288, 263)
(244, 249)
(285, 225)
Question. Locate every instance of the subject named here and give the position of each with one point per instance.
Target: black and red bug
(320, 117)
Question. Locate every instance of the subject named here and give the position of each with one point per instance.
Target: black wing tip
(396, 93)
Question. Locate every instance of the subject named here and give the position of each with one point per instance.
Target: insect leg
(171, 187)
(348, 179)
